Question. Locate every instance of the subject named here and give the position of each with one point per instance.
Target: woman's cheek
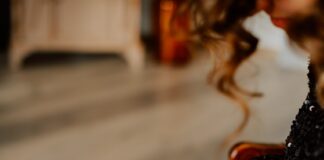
(285, 8)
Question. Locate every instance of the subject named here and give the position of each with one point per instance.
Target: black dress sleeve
(306, 138)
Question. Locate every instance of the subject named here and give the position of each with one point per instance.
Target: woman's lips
(280, 22)
(277, 19)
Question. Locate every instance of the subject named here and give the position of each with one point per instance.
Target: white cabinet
(84, 26)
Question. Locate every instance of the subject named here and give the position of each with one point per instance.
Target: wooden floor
(96, 110)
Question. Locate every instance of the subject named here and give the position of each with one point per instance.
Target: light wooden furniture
(84, 26)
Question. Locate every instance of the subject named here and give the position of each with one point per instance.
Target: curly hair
(218, 24)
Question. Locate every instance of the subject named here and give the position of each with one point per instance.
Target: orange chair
(247, 151)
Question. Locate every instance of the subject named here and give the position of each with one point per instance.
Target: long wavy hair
(218, 25)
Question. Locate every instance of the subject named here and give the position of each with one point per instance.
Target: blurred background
(105, 79)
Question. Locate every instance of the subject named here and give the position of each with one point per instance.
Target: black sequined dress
(306, 138)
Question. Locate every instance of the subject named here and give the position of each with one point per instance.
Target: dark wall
(4, 24)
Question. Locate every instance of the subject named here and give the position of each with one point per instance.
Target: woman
(220, 24)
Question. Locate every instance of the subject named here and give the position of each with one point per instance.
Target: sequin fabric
(306, 138)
